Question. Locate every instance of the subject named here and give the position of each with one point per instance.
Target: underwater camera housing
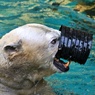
(74, 45)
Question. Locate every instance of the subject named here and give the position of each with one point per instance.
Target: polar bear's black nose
(74, 45)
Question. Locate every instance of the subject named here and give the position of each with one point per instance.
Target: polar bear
(26, 56)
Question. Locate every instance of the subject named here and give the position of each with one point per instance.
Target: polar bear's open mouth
(61, 65)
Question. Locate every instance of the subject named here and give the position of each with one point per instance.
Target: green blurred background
(79, 14)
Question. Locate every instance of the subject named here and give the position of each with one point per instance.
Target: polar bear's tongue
(62, 66)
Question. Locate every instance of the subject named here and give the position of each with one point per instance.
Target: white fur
(32, 57)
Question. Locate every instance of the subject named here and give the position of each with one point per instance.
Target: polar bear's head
(33, 45)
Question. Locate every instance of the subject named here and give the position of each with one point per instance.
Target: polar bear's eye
(54, 41)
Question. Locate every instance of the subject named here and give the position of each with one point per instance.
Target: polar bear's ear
(13, 49)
